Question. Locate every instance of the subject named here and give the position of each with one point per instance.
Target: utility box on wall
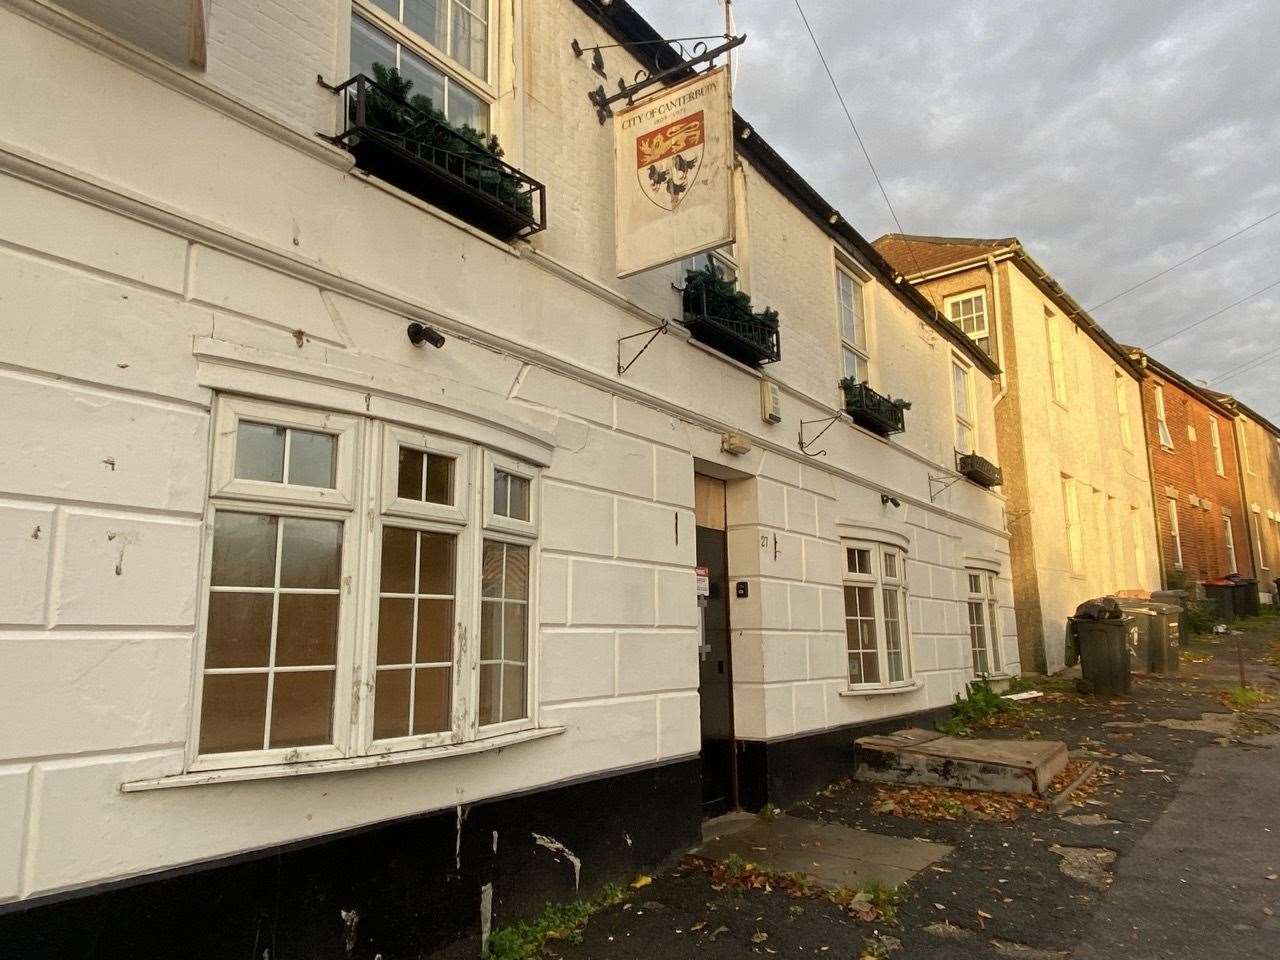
(770, 402)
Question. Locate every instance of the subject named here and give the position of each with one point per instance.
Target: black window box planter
(434, 162)
(878, 413)
(744, 336)
(979, 469)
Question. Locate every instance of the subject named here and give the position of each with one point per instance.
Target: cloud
(1112, 138)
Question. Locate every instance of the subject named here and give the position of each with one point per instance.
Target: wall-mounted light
(420, 333)
(886, 499)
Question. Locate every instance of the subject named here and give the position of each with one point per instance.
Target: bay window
(878, 637)
(434, 538)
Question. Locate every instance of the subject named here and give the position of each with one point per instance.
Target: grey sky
(1114, 138)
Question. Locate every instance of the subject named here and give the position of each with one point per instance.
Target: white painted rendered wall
(157, 244)
(1083, 441)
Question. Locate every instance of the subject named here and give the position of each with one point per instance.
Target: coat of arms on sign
(667, 160)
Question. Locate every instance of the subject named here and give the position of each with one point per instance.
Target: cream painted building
(344, 637)
(1069, 427)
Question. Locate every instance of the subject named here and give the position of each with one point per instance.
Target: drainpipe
(997, 315)
(1151, 470)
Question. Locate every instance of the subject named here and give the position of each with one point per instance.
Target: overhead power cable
(1216, 313)
(1245, 367)
(866, 153)
(1183, 262)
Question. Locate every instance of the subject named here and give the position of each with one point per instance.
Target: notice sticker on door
(704, 580)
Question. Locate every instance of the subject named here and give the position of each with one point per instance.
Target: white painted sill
(883, 691)
(281, 770)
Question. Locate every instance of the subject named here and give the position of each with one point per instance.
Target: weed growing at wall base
(973, 708)
(558, 921)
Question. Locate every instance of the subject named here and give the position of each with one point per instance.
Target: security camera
(420, 333)
(885, 498)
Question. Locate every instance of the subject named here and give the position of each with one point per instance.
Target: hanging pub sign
(674, 174)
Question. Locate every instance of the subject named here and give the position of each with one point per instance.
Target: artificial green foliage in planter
(392, 111)
(884, 414)
(720, 315)
(724, 300)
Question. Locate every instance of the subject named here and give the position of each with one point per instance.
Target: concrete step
(933, 759)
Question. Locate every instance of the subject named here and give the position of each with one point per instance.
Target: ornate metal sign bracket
(689, 58)
(653, 335)
(943, 484)
(806, 444)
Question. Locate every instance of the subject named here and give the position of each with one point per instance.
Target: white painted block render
(182, 259)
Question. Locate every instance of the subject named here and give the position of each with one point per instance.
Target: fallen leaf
(759, 937)
(641, 881)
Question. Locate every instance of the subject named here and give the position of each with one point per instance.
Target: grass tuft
(557, 922)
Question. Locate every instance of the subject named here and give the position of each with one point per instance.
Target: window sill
(907, 687)
(280, 770)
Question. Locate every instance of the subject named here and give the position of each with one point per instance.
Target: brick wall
(1187, 473)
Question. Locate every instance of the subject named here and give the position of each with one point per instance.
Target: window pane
(431, 700)
(244, 549)
(859, 559)
(855, 669)
(513, 631)
(512, 692)
(501, 493)
(369, 46)
(395, 630)
(302, 709)
(311, 553)
(891, 565)
(312, 458)
(490, 691)
(435, 631)
(426, 80)
(409, 475)
(491, 572)
(466, 108)
(391, 704)
(517, 579)
(439, 479)
(469, 40)
(975, 583)
(398, 546)
(233, 712)
(307, 630)
(490, 630)
(239, 631)
(870, 668)
(426, 18)
(259, 452)
(519, 506)
(964, 437)
(435, 565)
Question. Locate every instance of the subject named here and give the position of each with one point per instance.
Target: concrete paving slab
(833, 855)
(929, 758)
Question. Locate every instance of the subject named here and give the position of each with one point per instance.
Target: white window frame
(1243, 435)
(483, 87)
(1122, 410)
(984, 598)
(1162, 419)
(364, 501)
(1175, 530)
(850, 346)
(1230, 543)
(232, 410)
(1215, 437)
(984, 333)
(966, 420)
(1057, 356)
(510, 525)
(1074, 525)
(879, 583)
(1257, 539)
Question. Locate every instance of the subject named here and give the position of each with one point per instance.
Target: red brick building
(1195, 471)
